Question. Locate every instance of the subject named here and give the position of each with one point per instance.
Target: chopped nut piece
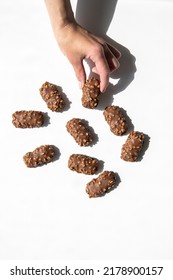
(115, 119)
(39, 156)
(79, 131)
(52, 97)
(100, 185)
(27, 119)
(83, 164)
(91, 91)
(132, 147)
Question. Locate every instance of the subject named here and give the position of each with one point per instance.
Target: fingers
(101, 66)
(80, 72)
(106, 62)
(105, 58)
(85, 45)
(102, 69)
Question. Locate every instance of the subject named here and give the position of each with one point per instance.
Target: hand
(78, 44)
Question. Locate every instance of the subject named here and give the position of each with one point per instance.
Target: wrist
(60, 13)
(64, 34)
(62, 24)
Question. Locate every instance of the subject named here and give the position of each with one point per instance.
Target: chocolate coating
(27, 119)
(91, 92)
(100, 185)
(132, 147)
(115, 119)
(52, 97)
(39, 156)
(83, 164)
(79, 131)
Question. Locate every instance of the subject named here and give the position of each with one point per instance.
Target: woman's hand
(78, 44)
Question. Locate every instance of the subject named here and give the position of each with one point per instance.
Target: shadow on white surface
(46, 119)
(95, 15)
(57, 153)
(101, 167)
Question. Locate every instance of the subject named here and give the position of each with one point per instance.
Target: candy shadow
(57, 153)
(100, 167)
(46, 120)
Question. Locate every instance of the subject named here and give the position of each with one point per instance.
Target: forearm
(60, 13)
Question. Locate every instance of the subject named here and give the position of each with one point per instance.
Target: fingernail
(103, 89)
(81, 84)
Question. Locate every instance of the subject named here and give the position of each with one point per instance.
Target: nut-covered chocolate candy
(52, 97)
(39, 156)
(132, 147)
(79, 131)
(91, 91)
(100, 185)
(83, 164)
(27, 119)
(115, 119)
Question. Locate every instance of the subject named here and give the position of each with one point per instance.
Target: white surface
(45, 212)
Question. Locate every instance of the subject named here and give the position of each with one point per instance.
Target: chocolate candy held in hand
(27, 119)
(39, 156)
(100, 185)
(91, 92)
(115, 119)
(52, 97)
(83, 164)
(79, 131)
(132, 147)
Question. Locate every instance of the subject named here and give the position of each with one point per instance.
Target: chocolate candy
(91, 91)
(83, 164)
(79, 131)
(100, 185)
(27, 119)
(132, 147)
(52, 97)
(115, 119)
(39, 156)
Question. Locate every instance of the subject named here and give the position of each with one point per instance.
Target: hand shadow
(96, 16)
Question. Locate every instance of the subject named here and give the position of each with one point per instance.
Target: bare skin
(78, 44)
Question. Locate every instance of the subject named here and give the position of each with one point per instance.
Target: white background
(45, 212)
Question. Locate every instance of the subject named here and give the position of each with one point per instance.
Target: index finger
(102, 69)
